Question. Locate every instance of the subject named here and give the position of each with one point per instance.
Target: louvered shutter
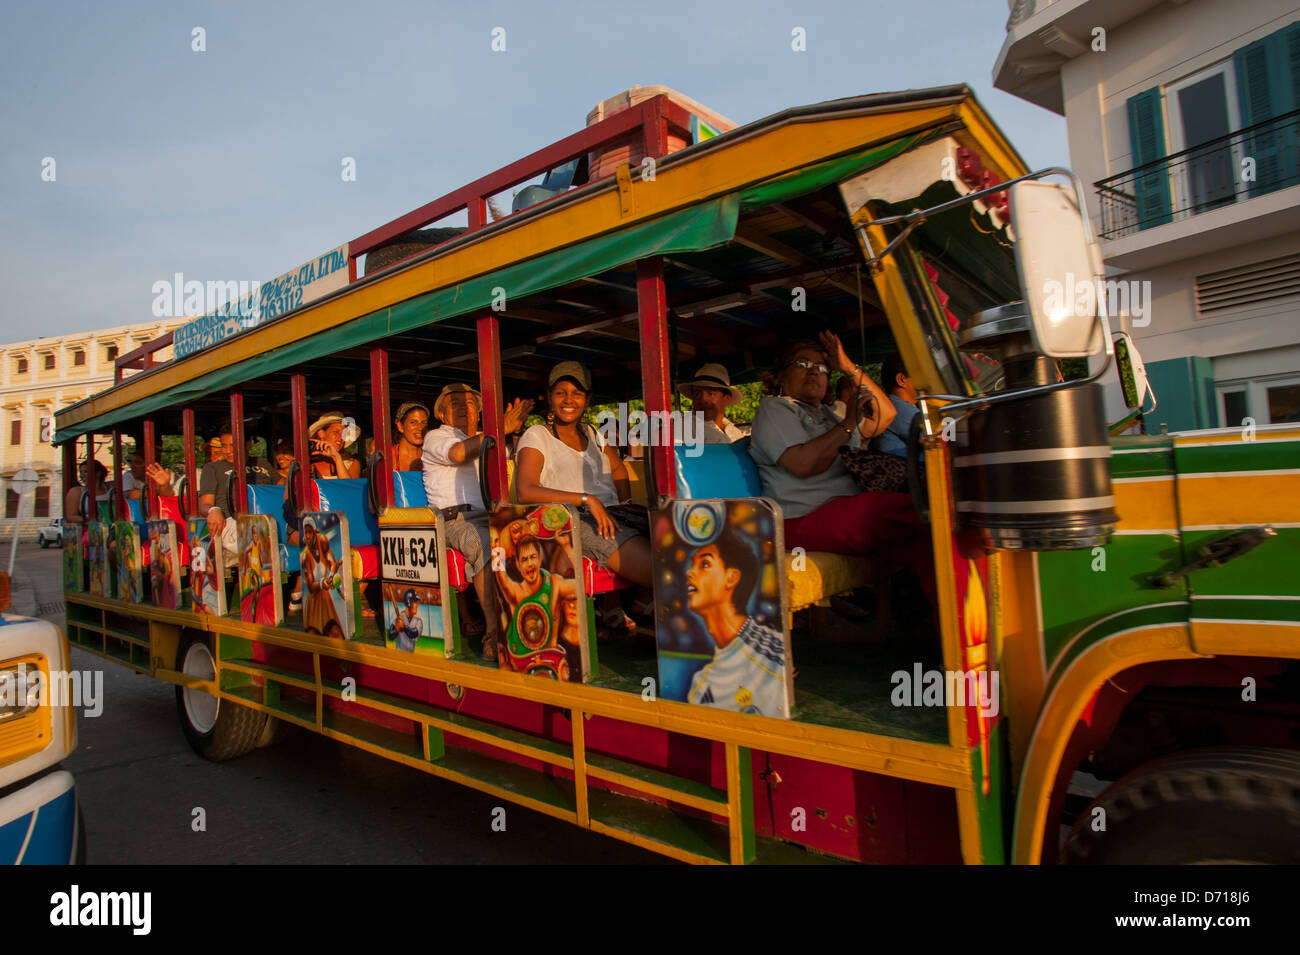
(1146, 130)
(1268, 72)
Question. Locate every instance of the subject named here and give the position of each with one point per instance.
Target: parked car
(51, 533)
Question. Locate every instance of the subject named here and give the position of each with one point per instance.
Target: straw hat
(456, 388)
(712, 375)
(324, 421)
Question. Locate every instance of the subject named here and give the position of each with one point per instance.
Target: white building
(1183, 119)
(41, 376)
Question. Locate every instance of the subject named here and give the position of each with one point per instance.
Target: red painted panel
(852, 814)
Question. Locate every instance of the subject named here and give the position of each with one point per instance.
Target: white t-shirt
(131, 483)
(726, 434)
(747, 675)
(446, 483)
(565, 469)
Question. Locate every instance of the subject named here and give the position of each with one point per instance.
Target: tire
(1209, 806)
(216, 729)
(43, 542)
(276, 732)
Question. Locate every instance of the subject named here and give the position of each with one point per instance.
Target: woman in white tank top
(565, 461)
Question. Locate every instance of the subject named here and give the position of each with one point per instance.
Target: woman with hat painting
(567, 462)
(327, 457)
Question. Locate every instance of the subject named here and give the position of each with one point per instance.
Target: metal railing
(1250, 162)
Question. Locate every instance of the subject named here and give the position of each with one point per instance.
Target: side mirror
(1059, 266)
(1132, 373)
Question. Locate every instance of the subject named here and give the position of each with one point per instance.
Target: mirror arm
(980, 402)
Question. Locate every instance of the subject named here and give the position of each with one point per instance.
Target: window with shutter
(1146, 130)
(1268, 87)
(42, 501)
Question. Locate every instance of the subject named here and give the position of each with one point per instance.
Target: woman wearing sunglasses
(796, 445)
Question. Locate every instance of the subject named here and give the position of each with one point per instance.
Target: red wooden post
(298, 396)
(92, 480)
(477, 210)
(240, 483)
(656, 367)
(383, 421)
(654, 129)
(151, 489)
(119, 496)
(489, 379)
(191, 463)
(69, 470)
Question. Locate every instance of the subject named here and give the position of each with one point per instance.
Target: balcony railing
(1250, 162)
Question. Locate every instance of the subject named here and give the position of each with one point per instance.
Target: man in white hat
(450, 458)
(711, 392)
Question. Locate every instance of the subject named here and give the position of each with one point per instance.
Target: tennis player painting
(207, 570)
(326, 575)
(718, 586)
(164, 565)
(260, 600)
(537, 570)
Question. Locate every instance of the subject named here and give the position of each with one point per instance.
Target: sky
(225, 164)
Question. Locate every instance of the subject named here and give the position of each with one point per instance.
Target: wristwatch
(584, 501)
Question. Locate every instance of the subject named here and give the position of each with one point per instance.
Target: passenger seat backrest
(720, 470)
(268, 499)
(408, 489)
(352, 497)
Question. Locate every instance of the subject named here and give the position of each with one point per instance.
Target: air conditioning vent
(1248, 285)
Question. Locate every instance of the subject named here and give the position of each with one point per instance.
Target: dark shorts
(632, 522)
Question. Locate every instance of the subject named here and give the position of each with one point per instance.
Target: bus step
(655, 782)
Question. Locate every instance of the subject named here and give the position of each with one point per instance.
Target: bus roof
(695, 203)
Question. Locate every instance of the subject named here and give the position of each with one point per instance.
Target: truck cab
(40, 822)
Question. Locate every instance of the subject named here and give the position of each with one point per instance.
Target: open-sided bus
(1123, 607)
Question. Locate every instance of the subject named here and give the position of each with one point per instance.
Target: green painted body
(1088, 596)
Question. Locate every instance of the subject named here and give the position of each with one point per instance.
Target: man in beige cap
(711, 392)
(450, 458)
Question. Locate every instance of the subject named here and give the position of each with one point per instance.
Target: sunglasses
(807, 365)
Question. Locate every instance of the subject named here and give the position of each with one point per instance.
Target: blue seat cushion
(408, 489)
(352, 497)
(720, 470)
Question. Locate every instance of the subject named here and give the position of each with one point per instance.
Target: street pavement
(307, 799)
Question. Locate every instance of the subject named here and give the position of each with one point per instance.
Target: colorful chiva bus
(1061, 605)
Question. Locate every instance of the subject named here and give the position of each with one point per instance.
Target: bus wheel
(1201, 807)
(216, 729)
(276, 732)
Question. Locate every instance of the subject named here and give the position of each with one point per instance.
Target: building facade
(1184, 123)
(39, 377)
